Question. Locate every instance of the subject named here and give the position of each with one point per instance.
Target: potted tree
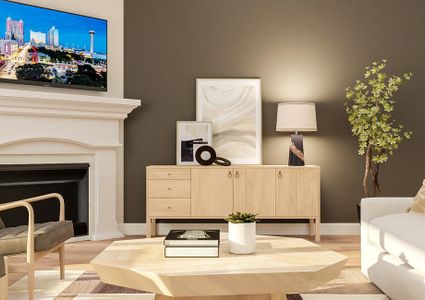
(369, 107)
(242, 232)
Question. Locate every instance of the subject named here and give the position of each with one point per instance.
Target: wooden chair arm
(48, 196)
(40, 198)
(30, 238)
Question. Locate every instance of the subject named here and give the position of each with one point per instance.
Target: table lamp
(296, 117)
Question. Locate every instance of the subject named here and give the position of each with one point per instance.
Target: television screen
(49, 47)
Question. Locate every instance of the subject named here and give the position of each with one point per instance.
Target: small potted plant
(242, 231)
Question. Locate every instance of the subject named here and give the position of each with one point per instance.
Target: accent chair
(33, 240)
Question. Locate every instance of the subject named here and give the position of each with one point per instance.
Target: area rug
(80, 284)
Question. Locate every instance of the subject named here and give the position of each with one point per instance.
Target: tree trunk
(376, 185)
(367, 169)
(372, 178)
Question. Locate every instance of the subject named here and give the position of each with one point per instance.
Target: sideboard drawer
(169, 189)
(175, 173)
(175, 207)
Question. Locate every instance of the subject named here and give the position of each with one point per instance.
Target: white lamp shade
(296, 116)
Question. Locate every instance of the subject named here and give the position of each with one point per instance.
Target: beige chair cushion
(419, 200)
(13, 240)
(2, 267)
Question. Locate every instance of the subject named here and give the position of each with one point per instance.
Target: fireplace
(63, 131)
(19, 181)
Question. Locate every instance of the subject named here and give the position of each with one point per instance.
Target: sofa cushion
(419, 201)
(2, 267)
(13, 240)
(401, 235)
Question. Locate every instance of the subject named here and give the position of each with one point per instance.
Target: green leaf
(240, 217)
(369, 106)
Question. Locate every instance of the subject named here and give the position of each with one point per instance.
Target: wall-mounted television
(47, 47)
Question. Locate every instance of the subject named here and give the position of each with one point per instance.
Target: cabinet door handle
(230, 174)
(279, 175)
(237, 174)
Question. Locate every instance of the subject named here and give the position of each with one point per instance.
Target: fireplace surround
(42, 128)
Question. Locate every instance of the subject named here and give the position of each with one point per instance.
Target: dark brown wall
(302, 50)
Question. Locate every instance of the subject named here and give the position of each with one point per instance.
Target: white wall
(113, 11)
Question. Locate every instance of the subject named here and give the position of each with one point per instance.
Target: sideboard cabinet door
(211, 192)
(255, 191)
(298, 192)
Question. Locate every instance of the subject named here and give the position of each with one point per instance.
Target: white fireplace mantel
(44, 127)
(60, 104)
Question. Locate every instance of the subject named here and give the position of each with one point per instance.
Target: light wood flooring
(79, 254)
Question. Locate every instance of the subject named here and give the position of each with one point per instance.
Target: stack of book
(192, 243)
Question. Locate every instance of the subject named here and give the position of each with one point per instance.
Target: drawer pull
(230, 174)
(237, 174)
(279, 175)
(169, 207)
(169, 188)
(172, 173)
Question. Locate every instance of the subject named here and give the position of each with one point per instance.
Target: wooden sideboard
(212, 192)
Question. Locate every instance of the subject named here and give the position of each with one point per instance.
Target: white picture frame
(187, 131)
(234, 108)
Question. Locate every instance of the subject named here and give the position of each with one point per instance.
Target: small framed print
(190, 136)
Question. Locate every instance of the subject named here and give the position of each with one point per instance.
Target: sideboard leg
(317, 230)
(148, 228)
(311, 227)
(154, 227)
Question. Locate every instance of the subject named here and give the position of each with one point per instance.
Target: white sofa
(393, 247)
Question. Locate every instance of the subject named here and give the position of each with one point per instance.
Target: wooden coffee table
(280, 266)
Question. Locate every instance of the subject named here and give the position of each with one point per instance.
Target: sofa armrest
(372, 208)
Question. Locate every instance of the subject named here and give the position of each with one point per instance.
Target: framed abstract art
(233, 106)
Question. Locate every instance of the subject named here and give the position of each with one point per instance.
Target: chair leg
(3, 288)
(62, 261)
(4, 281)
(154, 227)
(31, 279)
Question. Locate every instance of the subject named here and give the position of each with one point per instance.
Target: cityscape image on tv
(52, 47)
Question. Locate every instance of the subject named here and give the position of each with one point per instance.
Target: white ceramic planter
(242, 238)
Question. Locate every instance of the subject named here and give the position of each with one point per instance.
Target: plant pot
(242, 237)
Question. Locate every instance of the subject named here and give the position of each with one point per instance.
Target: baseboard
(101, 237)
(78, 239)
(284, 229)
(132, 228)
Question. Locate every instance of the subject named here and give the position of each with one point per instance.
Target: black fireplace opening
(30, 180)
